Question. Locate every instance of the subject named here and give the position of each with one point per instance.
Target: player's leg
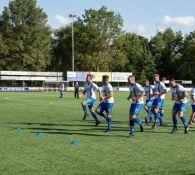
(137, 113)
(181, 110)
(109, 107)
(61, 93)
(100, 110)
(174, 117)
(92, 111)
(161, 113)
(84, 107)
(134, 111)
(147, 108)
(155, 110)
(131, 120)
(192, 118)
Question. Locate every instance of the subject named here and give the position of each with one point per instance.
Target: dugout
(32, 80)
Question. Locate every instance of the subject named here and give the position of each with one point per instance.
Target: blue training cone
(74, 142)
(18, 128)
(38, 134)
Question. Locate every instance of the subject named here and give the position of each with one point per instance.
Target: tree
(186, 65)
(94, 34)
(166, 48)
(139, 58)
(26, 35)
(101, 28)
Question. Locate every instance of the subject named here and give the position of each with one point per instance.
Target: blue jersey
(149, 90)
(177, 92)
(192, 96)
(135, 91)
(90, 89)
(158, 87)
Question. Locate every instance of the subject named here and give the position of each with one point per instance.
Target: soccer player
(192, 100)
(62, 90)
(136, 93)
(158, 92)
(149, 100)
(107, 102)
(89, 90)
(179, 96)
(161, 111)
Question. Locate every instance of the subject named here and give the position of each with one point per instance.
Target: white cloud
(61, 20)
(141, 29)
(180, 20)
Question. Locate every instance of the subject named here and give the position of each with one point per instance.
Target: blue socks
(156, 117)
(101, 114)
(132, 121)
(109, 122)
(183, 119)
(84, 109)
(138, 121)
(92, 113)
(175, 122)
(132, 128)
(94, 116)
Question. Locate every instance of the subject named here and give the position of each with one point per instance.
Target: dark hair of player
(89, 75)
(105, 77)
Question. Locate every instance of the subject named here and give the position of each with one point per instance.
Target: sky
(143, 17)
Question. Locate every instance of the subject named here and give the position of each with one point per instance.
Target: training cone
(74, 142)
(39, 134)
(18, 128)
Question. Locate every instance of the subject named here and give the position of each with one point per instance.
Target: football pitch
(36, 131)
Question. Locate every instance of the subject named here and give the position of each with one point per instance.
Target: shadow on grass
(84, 134)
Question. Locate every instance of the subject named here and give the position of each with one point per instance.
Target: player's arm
(162, 90)
(130, 96)
(174, 97)
(100, 93)
(82, 93)
(109, 95)
(141, 95)
(193, 98)
(184, 94)
(193, 95)
(97, 89)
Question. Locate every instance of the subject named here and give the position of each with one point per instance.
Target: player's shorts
(90, 102)
(193, 108)
(136, 108)
(149, 103)
(180, 107)
(157, 103)
(104, 106)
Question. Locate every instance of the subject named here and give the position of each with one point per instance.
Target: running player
(136, 93)
(107, 102)
(161, 111)
(179, 96)
(149, 100)
(159, 91)
(89, 90)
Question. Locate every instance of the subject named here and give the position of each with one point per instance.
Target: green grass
(23, 153)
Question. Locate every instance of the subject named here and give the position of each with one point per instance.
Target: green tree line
(28, 43)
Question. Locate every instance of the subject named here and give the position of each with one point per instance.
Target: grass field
(23, 153)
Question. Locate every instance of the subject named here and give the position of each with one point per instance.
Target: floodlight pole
(73, 59)
(72, 47)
